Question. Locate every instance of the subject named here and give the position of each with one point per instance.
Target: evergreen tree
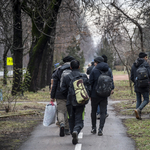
(74, 50)
(105, 48)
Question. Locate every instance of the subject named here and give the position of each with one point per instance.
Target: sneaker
(62, 133)
(75, 137)
(93, 131)
(67, 132)
(106, 115)
(98, 116)
(100, 132)
(137, 114)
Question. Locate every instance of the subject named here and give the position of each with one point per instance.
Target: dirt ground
(17, 130)
(120, 77)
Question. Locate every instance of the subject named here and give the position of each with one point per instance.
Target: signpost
(9, 61)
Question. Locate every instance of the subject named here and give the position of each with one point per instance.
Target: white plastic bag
(49, 115)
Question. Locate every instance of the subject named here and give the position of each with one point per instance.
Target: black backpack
(142, 79)
(104, 85)
(78, 92)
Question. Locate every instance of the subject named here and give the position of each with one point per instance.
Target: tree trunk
(50, 67)
(5, 67)
(38, 50)
(44, 70)
(17, 47)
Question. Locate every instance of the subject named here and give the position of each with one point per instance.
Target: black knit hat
(142, 55)
(92, 63)
(105, 58)
(99, 59)
(68, 59)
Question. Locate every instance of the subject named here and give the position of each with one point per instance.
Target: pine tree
(74, 50)
(105, 48)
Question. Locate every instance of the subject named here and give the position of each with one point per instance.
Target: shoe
(106, 115)
(100, 132)
(93, 131)
(98, 116)
(75, 137)
(62, 133)
(137, 114)
(67, 132)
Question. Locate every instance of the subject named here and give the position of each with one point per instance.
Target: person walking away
(50, 87)
(60, 98)
(89, 69)
(140, 75)
(77, 87)
(98, 108)
(100, 67)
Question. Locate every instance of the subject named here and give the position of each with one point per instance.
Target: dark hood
(138, 62)
(102, 66)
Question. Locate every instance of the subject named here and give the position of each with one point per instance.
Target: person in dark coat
(142, 60)
(60, 98)
(75, 110)
(96, 100)
(98, 108)
(89, 69)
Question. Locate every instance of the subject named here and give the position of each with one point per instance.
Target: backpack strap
(102, 72)
(71, 76)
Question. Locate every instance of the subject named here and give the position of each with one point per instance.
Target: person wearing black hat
(140, 90)
(60, 98)
(89, 69)
(100, 66)
(98, 108)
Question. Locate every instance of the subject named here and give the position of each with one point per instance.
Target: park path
(120, 77)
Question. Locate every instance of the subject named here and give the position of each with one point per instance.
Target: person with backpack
(60, 98)
(76, 87)
(98, 108)
(99, 92)
(140, 75)
(89, 69)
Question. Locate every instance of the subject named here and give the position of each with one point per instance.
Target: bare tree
(17, 47)
(6, 32)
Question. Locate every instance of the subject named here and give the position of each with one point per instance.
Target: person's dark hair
(105, 58)
(68, 59)
(74, 64)
(142, 55)
(92, 63)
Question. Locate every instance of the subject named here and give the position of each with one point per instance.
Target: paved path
(114, 136)
(120, 77)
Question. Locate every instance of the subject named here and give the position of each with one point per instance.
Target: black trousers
(75, 118)
(102, 102)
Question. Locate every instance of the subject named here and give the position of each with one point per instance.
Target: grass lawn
(16, 125)
(119, 72)
(139, 130)
(122, 91)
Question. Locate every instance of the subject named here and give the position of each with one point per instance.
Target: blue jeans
(98, 110)
(139, 104)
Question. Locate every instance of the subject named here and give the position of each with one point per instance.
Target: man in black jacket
(60, 98)
(98, 108)
(89, 69)
(75, 110)
(142, 60)
(96, 100)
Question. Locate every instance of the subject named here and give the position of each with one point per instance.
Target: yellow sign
(9, 61)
